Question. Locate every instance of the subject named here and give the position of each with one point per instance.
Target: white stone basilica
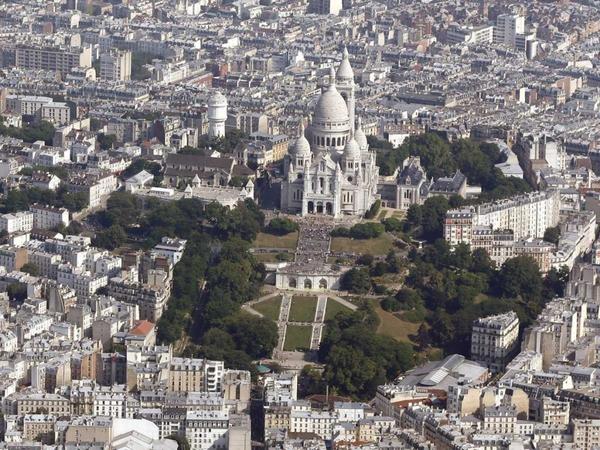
(329, 169)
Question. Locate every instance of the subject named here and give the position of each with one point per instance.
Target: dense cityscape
(299, 225)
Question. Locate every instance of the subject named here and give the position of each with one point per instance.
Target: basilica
(329, 169)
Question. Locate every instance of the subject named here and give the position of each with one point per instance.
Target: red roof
(142, 328)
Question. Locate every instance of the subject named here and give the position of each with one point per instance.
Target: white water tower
(217, 115)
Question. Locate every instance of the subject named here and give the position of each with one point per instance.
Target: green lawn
(391, 325)
(303, 308)
(377, 246)
(297, 337)
(266, 240)
(269, 307)
(334, 307)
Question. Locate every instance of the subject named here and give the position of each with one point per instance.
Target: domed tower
(360, 137)
(345, 85)
(217, 115)
(300, 153)
(351, 157)
(330, 126)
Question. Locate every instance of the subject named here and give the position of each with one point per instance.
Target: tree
(356, 281)
(390, 304)
(365, 260)
(392, 224)
(423, 338)
(110, 238)
(357, 359)
(106, 141)
(31, 269)
(182, 442)
(142, 164)
(520, 276)
(367, 230)
(555, 282)
(256, 336)
(433, 215)
(281, 226)
(75, 201)
(138, 62)
(461, 256)
(481, 261)
(238, 181)
(17, 292)
(552, 234)
(42, 131)
(373, 210)
(434, 152)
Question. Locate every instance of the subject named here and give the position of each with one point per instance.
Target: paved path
(284, 313)
(317, 325)
(320, 311)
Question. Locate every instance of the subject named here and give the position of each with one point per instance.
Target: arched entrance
(307, 284)
(319, 208)
(311, 207)
(329, 208)
(292, 283)
(322, 283)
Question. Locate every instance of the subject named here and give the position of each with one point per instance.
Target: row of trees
(42, 131)
(367, 230)
(281, 225)
(22, 199)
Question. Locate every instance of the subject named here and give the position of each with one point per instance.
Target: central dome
(331, 106)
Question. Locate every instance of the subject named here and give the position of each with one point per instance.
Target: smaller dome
(345, 71)
(360, 136)
(301, 147)
(217, 99)
(352, 150)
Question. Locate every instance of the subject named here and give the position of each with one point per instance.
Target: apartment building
(507, 27)
(115, 65)
(320, 423)
(206, 430)
(58, 113)
(12, 258)
(54, 404)
(55, 59)
(39, 427)
(494, 340)
(49, 217)
(538, 250)
(96, 186)
(586, 433)
(83, 282)
(498, 243)
(15, 222)
(195, 375)
(29, 105)
(111, 404)
(525, 215)
(483, 34)
(151, 301)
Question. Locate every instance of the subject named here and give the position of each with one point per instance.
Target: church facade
(330, 170)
